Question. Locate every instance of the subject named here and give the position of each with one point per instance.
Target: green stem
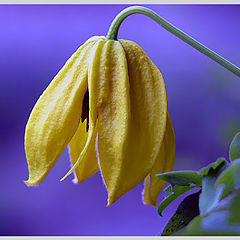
(113, 32)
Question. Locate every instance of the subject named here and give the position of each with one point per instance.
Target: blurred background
(203, 98)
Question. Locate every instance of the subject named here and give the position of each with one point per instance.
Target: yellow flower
(109, 104)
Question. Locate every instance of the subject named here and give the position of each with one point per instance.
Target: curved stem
(113, 32)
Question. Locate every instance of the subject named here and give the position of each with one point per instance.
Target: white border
(125, 238)
(131, 2)
(135, 2)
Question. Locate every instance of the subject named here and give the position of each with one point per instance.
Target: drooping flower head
(109, 103)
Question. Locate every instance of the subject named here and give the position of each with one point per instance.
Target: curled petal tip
(152, 203)
(110, 202)
(113, 197)
(146, 199)
(66, 175)
(90, 139)
(30, 183)
(27, 183)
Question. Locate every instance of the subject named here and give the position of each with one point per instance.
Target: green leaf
(210, 194)
(168, 188)
(230, 178)
(214, 224)
(193, 229)
(234, 217)
(182, 178)
(224, 219)
(177, 191)
(186, 211)
(219, 163)
(234, 150)
(219, 202)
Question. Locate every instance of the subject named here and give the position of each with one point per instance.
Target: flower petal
(109, 100)
(145, 132)
(127, 144)
(56, 115)
(90, 142)
(164, 163)
(89, 164)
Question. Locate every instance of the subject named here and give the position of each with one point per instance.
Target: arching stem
(113, 32)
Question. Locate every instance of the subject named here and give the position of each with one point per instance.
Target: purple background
(204, 103)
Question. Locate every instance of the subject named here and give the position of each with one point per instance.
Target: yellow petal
(164, 163)
(89, 165)
(109, 100)
(91, 138)
(85, 152)
(127, 144)
(56, 115)
(148, 104)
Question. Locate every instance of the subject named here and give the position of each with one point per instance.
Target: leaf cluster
(212, 205)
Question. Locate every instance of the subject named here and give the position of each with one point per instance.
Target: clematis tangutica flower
(109, 103)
